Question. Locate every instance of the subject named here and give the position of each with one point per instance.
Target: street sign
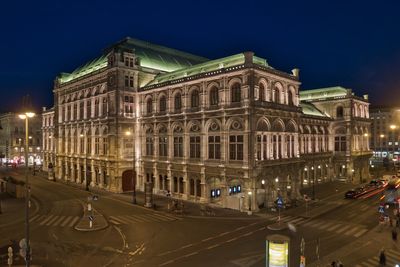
(91, 217)
(381, 209)
(95, 197)
(279, 202)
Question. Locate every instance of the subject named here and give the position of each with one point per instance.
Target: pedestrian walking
(382, 258)
(333, 264)
(394, 234)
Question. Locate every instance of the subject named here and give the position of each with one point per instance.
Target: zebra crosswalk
(392, 258)
(329, 226)
(54, 220)
(142, 218)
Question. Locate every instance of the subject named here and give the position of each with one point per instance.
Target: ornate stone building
(49, 147)
(230, 131)
(12, 139)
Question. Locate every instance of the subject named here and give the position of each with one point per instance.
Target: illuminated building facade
(230, 131)
(12, 139)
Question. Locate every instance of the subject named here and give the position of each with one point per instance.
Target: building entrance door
(127, 181)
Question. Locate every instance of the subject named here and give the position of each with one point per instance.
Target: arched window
(194, 99)
(290, 98)
(339, 112)
(178, 102)
(275, 96)
(163, 104)
(149, 106)
(261, 92)
(214, 96)
(235, 93)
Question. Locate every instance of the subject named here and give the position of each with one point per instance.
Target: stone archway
(127, 181)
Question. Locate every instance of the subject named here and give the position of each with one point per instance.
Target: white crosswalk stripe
(392, 258)
(360, 233)
(65, 221)
(142, 218)
(54, 220)
(326, 225)
(351, 231)
(345, 227)
(73, 221)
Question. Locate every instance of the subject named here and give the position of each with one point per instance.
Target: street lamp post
(86, 165)
(265, 194)
(313, 183)
(26, 117)
(250, 194)
(128, 133)
(393, 128)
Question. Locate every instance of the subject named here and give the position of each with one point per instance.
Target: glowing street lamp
(26, 115)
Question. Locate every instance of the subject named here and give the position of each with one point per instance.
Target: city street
(138, 236)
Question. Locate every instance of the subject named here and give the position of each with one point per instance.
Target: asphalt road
(137, 236)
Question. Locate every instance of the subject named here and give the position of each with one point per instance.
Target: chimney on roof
(295, 72)
(365, 97)
(248, 58)
(43, 108)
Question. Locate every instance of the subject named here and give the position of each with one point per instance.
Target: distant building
(12, 139)
(385, 126)
(230, 131)
(49, 146)
(350, 129)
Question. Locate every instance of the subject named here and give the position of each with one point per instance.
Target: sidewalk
(328, 196)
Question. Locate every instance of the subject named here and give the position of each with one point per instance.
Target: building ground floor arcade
(234, 187)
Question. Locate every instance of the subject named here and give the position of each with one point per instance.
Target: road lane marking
(213, 246)
(165, 217)
(144, 218)
(222, 234)
(66, 221)
(187, 246)
(310, 222)
(190, 254)
(333, 227)
(133, 219)
(247, 234)
(316, 224)
(167, 262)
(207, 239)
(58, 221)
(231, 240)
(34, 217)
(240, 228)
(158, 218)
(74, 220)
(360, 233)
(119, 219)
(328, 224)
(295, 221)
(114, 222)
(342, 229)
(52, 220)
(46, 220)
(351, 231)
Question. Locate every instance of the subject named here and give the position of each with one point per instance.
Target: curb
(85, 221)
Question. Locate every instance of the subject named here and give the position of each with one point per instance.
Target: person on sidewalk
(394, 234)
(333, 264)
(382, 258)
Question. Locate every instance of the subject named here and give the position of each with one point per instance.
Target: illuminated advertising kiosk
(277, 251)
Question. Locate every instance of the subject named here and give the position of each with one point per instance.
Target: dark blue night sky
(356, 45)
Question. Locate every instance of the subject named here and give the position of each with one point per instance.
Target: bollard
(10, 256)
(89, 206)
(90, 224)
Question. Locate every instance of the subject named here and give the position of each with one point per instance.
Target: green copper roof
(208, 66)
(150, 56)
(310, 109)
(323, 93)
